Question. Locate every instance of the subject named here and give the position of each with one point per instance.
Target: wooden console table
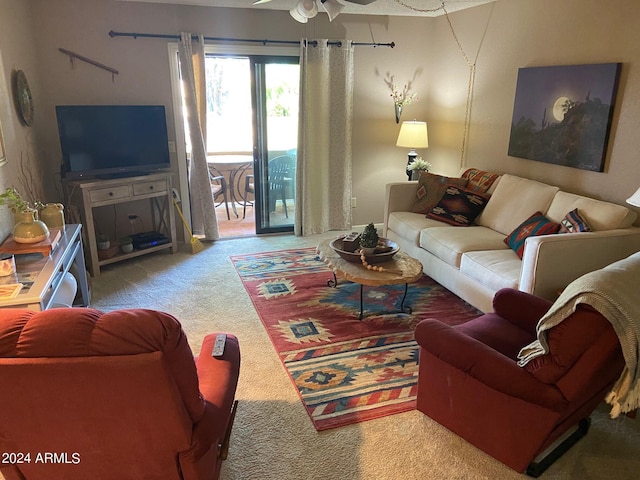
(156, 188)
(42, 274)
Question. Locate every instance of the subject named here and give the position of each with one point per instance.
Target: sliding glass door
(252, 133)
(276, 81)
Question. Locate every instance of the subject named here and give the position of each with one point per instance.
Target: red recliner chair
(469, 380)
(92, 395)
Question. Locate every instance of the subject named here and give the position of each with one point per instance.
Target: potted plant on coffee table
(369, 239)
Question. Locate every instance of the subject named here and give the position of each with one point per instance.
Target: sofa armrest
(399, 197)
(520, 308)
(551, 262)
(484, 364)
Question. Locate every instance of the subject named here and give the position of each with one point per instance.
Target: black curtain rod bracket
(114, 34)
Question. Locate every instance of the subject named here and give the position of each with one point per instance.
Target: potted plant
(12, 199)
(126, 245)
(418, 165)
(369, 239)
(103, 242)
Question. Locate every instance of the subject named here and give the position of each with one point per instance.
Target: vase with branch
(401, 97)
(12, 198)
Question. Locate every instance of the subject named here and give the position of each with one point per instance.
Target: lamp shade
(304, 10)
(413, 135)
(634, 199)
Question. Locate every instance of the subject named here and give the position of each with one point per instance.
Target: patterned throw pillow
(537, 224)
(459, 206)
(479, 180)
(573, 222)
(431, 188)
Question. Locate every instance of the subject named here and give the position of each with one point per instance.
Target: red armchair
(87, 394)
(469, 380)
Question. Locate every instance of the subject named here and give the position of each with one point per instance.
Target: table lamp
(413, 134)
(634, 199)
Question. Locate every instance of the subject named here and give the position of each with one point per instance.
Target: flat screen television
(103, 141)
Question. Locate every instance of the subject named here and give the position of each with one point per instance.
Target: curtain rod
(113, 34)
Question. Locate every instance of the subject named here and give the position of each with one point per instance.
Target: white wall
(524, 33)
(17, 52)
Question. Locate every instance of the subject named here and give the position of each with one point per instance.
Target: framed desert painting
(562, 114)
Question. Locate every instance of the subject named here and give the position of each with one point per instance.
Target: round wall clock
(23, 98)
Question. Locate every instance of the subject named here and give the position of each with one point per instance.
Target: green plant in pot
(103, 242)
(126, 245)
(418, 165)
(369, 239)
(12, 199)
(27, 228)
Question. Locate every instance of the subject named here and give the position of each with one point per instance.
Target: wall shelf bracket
(73, 56)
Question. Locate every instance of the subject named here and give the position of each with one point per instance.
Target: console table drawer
(149, 187)
(104, 194)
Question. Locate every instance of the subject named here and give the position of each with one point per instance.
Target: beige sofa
(474, 262)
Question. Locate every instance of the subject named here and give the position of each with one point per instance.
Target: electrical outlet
(354, 202)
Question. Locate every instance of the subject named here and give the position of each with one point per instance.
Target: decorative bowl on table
(385, 250)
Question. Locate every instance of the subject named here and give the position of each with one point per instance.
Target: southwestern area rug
(346, 370)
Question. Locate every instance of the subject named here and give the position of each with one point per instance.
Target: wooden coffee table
(406, 269)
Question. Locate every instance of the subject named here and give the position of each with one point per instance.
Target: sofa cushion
(409, 225)
(449, 243)
(537, 224)
(598, 214)
(498, 333)
(514, 200)
(459, 206)
(431, 188)
(573, 222)
(495, 269)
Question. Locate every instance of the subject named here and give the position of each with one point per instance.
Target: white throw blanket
(614, 291)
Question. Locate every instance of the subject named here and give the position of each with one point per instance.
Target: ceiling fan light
(332, 7)
(297, 17)
(304, 10)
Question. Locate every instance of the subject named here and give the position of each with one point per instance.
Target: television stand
(111, 176)
(154, 188)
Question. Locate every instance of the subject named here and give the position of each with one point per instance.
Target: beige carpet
(273, 437)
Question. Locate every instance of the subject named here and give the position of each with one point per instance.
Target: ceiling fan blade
(258, 2)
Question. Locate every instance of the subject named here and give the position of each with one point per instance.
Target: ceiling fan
(359, 2)
(306, 9)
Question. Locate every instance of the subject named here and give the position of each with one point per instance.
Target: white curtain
(323, 174)
(203, 212)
